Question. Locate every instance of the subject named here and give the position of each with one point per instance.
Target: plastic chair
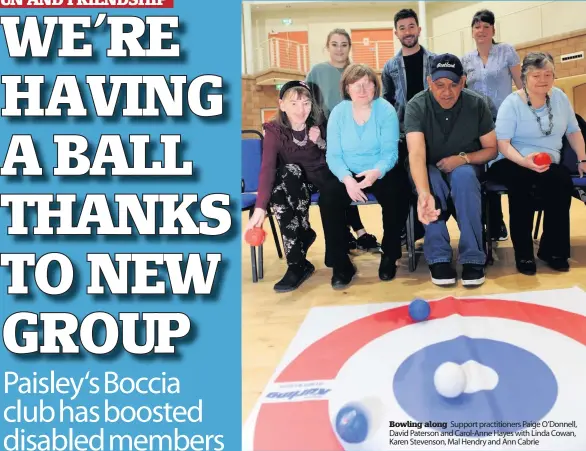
(251, 164)
(570, 160)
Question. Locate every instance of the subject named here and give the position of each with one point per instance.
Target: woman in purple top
(490, 71)
(293, 167)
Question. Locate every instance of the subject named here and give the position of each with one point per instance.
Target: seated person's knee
(465, 177)
(332, 192)
(293, 169)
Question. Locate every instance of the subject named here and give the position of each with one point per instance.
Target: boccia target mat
(523, 354)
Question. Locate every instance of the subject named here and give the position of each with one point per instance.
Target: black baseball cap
(447, 66)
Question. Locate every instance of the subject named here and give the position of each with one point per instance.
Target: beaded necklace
(304, 141)
(549, 113)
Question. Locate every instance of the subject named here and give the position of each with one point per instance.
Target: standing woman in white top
(490, 71)
(324, 82)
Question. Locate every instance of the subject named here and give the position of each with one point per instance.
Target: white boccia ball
(450, 380)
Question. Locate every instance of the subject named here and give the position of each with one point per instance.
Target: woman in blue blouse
(530, 121)
(491, 70)
(362, 143)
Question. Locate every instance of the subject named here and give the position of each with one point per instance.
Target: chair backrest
(251, 161)
(569, 157)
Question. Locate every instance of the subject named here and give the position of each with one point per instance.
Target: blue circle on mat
(526, 390)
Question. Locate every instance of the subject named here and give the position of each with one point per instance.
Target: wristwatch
(463, 155)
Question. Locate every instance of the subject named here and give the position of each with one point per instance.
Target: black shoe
(556, 263)
(501, 234)
(526, 266)
(343, 275)
(472, 275)
(442, 274)
(387, 269)
(294, 277)
(367, 242)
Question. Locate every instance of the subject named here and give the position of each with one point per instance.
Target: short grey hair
(535, 60)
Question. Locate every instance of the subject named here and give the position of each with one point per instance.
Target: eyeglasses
(362, 86)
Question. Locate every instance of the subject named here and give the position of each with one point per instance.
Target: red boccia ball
(542, 159)
(255, 236)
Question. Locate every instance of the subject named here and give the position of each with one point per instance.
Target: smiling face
(540, 80)
(296, 104)
(445, 91)
(482, 32)
(407, 32)
(362, 91)
(339, 48)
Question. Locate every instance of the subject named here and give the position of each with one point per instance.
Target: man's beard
(410, 46)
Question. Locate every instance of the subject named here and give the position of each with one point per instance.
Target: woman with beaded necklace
(293, 167)
(533, 120)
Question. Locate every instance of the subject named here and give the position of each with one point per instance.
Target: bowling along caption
(521, 433)
(108, 422)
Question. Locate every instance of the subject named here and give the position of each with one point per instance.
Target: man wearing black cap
(450, 136)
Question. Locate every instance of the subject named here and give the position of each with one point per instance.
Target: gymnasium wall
(254, 99)
(448, 23)
(318, 22)
(517, 22)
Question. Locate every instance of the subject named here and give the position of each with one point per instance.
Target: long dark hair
(486, 16)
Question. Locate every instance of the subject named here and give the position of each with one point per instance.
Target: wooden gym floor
(270, 320)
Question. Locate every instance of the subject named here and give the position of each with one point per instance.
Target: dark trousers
(353, 218)
(290, 201)
(496, 214)
(404, 163)
(529, 190)
(390, 194)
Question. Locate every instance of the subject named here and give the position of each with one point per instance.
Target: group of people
(429, 131)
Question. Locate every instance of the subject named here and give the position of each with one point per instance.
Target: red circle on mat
(305, 425)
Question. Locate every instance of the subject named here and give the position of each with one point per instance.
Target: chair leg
(275, 234)
(260, 262)
(489, 256)
(253, 259)
(253, 264)
(536, 233)
(411, 239)
(484, 228)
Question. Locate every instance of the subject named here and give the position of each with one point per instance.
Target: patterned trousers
(290, 201)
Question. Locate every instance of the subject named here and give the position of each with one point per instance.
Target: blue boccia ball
(419, 310)
(352, 424)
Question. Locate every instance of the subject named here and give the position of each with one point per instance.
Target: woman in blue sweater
(324, 82)
(362, 143)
